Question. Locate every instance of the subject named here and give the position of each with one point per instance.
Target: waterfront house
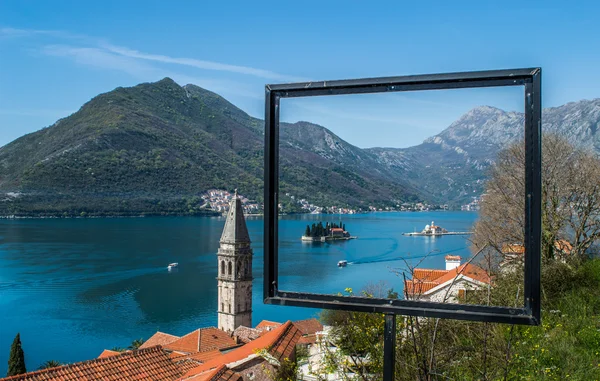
(449, 285)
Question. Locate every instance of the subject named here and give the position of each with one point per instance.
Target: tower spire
(235, 230)
(234, 278)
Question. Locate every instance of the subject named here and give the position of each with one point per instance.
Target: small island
(329, 232)
(433, 230)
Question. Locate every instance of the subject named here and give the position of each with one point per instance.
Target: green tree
(16, 359)
(118, 349)
(307, 231)
(50, 364)
(136, 344)
(570, 198)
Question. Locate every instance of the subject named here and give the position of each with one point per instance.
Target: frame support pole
(389, 347)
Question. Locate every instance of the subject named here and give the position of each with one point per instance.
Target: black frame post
(530, 79)
(389, 347)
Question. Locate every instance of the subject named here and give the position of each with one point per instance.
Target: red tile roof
(152, 364)
(222, 373)
(514, 248)
(428, 274)
(309, 326)
(279, 342)
(202, 340)
(185, 365)
(563, 245)
(159, 338)
(452, 257)
(201, 356)
(426, 279)
(416, 287)
(107, 353)
(266, 323)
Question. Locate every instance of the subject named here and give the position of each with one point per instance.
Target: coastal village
(218, 200)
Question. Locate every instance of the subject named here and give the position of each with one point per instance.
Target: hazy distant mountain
(452, 164)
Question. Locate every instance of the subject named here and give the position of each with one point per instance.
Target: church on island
(233, 351)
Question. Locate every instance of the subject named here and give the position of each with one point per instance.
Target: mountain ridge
(155, 146)
(159, 142)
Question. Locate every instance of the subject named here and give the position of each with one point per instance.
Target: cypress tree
(16, 359)
(307, 231)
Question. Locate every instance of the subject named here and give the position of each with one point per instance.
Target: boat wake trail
(377, 259)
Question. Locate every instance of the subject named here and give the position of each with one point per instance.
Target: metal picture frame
(530, 78)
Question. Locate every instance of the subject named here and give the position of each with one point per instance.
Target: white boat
(172, 266)
(342, 263)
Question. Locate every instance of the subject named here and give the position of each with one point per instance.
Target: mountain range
(156, 147)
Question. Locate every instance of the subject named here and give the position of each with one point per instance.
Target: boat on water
(172, 266)
(342, 263)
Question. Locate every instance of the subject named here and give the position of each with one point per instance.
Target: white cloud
(100, 58)
(99, 46)
(200, 64)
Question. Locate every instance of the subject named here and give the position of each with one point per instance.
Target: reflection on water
(74, 287)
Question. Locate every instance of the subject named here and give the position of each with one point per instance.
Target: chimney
(452, 262)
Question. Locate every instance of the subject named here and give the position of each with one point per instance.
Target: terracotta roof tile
(309, 326)
(152, 364)
(428, 274)
(221, 373)
(418, 287)
(159, 338)
(107, 353)
(426, 279)
(202, 340)
(266, 323)
(185, 364)
(280, 343)
(564, 246)
(514, 248)
(202, 356)
(224, 374)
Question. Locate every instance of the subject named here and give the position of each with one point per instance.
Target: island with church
(328, 232)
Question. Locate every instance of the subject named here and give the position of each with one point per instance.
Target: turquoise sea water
(73, 287)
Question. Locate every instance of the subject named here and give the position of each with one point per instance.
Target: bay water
(73, 287)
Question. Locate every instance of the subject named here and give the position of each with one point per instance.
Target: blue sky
(55, 56)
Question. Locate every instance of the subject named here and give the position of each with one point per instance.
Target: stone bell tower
(235, 271)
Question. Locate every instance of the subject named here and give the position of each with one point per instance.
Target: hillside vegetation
(154, 148)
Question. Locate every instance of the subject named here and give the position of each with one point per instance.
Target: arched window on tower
(246, 267)
(222, 267)
(229, 268)
(223, 307)
(229, 308)
(239, 308)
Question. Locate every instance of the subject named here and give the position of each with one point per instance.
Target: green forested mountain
(155, 147)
